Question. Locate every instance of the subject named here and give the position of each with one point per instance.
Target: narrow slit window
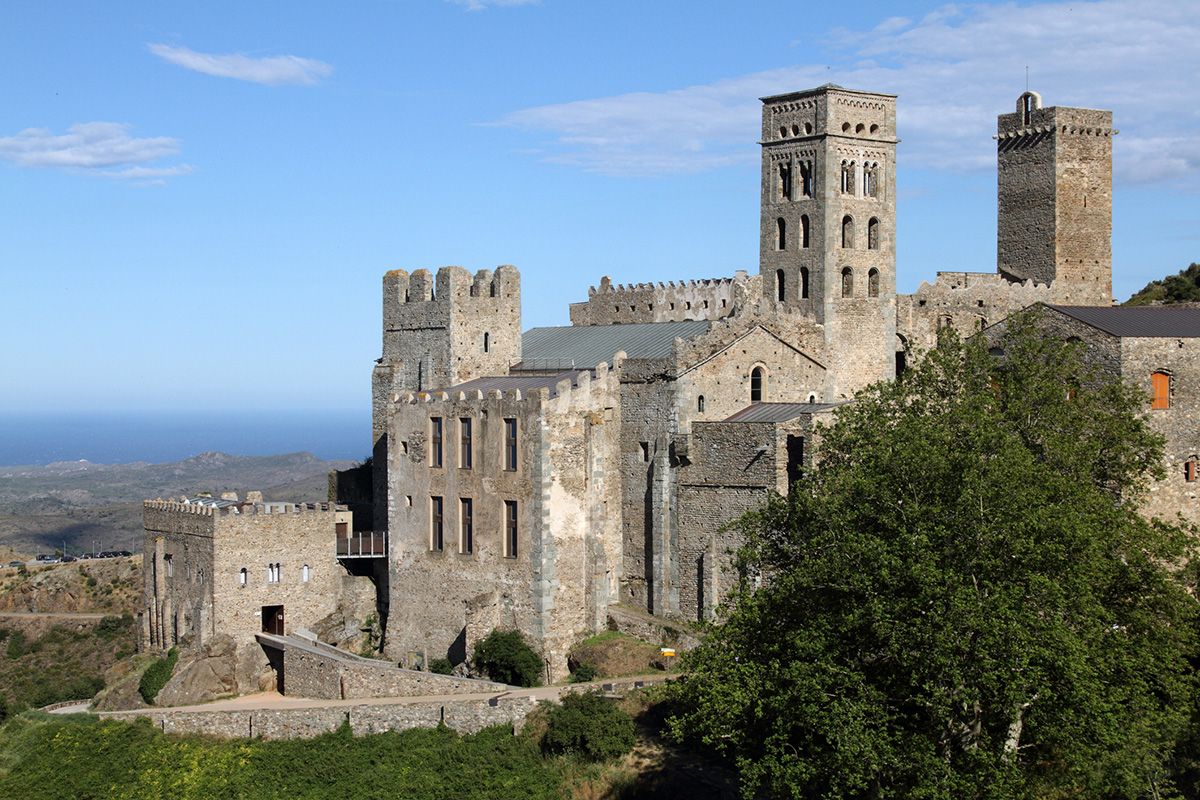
(466, 536)
(780, 234)
(305, 573)
(804, 230)
(873, 283)
(780, 288)
(847, 282)
(465, 447)
(435, 441)
(510, 444)
(757, 382)
(700, 403)
(847, 232)
(804, 283)
(436, 521)
(242, 577)
(487, 342)
(1189, 470)
(873, 234)
(510, 528)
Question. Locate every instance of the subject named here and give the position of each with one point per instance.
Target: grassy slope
(1182, 287)
(65, 663)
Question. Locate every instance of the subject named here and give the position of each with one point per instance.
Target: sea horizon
(118, 437)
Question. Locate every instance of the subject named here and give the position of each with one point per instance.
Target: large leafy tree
(962, 601)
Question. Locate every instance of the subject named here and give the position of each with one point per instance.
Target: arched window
(873, 283)
(806, 178)
(870, 180)
(847, 282)
(804, 283)
(812, 398)
(785, 182)
(804, 227)
(847, 177)
(487, 342)
(493, 289)
(873, 234)
(700, 403)
(756, 385)
(859, 128)
(305, 573)
(945, 321)
(847, 231)
(242, 577)
(780, 291)
(1160, 390)
(780, 234)
(1189, 469)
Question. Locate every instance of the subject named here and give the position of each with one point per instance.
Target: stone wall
(463, 716)
(178, 575)
(714, 298)
(557, 586)
(965, 301)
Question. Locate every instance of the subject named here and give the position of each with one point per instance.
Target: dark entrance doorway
(272, 620)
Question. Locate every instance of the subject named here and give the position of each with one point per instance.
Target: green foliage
(62, 664)
(113, 626)
(441, 666)
(156, 676)
(583, 673)
(962, 600)
(587, 725)
(506, 657)
(85, 757)
(17, 645)
(1183, 287)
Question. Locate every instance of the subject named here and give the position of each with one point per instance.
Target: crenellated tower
(1054, 192)
(828, 221)
(438, 332)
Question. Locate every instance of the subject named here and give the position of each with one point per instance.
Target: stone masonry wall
(178, 578)
(965, 301)
(657, 302)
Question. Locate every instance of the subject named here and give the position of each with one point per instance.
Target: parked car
(16, 563)
(68, 559)
(46, 558)
(123, 554)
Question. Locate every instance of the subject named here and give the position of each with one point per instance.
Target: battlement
(206, 510)
(705, 298)
(421, 286)
(566, 392)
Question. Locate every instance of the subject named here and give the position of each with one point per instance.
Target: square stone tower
(1054, 211)
(828, 221)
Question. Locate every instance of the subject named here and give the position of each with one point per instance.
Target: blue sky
(200, 199)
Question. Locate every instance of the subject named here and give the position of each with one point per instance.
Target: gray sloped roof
(504, 383)
(1138, 321)
(585, 346)
(777, 412)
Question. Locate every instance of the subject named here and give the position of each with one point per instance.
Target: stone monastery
(560, 480)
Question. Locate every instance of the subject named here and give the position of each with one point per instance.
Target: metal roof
(777, 412)
(526, 383)
(585, 346)
(212, 502)
(1138, 321)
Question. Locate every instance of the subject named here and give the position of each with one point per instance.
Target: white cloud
(271, 70)
(96, 148)
(954, 70)
(483, 5)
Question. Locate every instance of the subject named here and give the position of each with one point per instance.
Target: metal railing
(362, 544)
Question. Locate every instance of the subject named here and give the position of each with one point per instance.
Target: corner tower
(828, 221)
(1054, 192)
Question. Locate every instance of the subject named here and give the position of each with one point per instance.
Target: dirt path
(52, 615)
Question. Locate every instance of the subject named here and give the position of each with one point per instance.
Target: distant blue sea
(113, 438)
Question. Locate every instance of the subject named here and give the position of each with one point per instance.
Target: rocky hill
(87, 506)
(1182, 287)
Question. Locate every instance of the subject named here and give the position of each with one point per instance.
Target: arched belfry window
(785, 182)
(873, 234)
(780, 234)
(806, 178)
(804, 283)
(847, 177)
(847, 282)
(871, 180)
(700, 404)
(804, 229)
(780, 290)
(1027, 103)
(873, 283)
(757, 385)
(847, 231)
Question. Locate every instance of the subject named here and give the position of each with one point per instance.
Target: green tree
(506, 657)
(962, 600)
(589, 726)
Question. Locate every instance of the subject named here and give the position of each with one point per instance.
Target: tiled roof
(777, 412)
(1138, 321)
(585, 346)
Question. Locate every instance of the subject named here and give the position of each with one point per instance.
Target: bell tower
(828, 222)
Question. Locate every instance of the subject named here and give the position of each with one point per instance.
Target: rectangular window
(1189, 470)
(435, 524)
(464, 454)
(466, 537)
(510, 445)
(510, 528)
(1160, 390)
(435, 441)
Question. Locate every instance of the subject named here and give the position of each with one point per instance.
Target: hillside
(98, 506)
(1182, 287)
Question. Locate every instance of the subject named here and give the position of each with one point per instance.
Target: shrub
(441, 666)
(16, 645)
(112, 626)
(506, 657)
(583, 673)
(588, 725)
(156, 676)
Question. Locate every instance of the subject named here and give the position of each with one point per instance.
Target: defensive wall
(713, 298)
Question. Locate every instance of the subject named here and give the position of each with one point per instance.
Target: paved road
(267, 700)
(54, 615)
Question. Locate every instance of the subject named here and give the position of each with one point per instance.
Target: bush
(506, 657)
(112, 626)
(583, 673)
(16, 645)
(441, 666)
(156, 676)
(588, 725)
